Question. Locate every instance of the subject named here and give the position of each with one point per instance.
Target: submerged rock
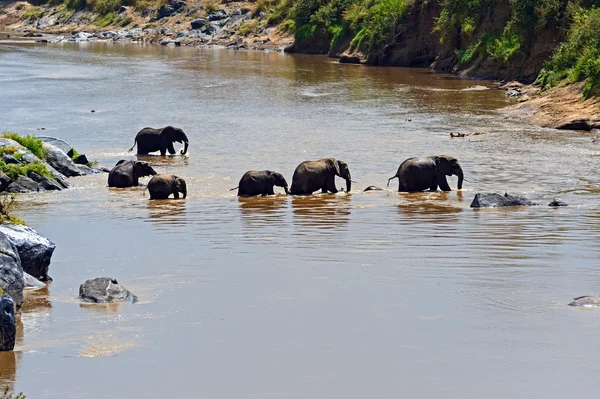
(8, 326)
(105, 289)
(373, 188)
(495, 200)
(34, 250)
(4, 181)
(11, 272)
(557, 202)
(586, 300)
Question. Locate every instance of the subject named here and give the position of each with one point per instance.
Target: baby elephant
(127, 173)
(418, 174)
(260, 183)
(163, 185)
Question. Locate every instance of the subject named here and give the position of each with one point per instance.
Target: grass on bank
(32, 143)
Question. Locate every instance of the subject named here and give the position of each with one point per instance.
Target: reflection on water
(348, 295)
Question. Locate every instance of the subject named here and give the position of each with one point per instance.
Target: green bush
(126, 21)
(32, 143)
(375, 25)
(106, 20)
(578, 58)
(32, 13)
(14, 171)
(248, 27)
(8, 150)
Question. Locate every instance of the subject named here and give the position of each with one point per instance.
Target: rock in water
(495, 200)
(373, 188)
(61, 161)
(105, 289)
(11, 272)
(8, 327)
(23, 185)
(34, 250)
(31, 282)
(586, 300)
(557, 202)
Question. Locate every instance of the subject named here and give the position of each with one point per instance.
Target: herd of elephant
(414, 174)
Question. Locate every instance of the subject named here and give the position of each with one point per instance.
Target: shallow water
(354, 295)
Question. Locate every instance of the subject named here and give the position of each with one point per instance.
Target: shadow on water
(102, 307)
(167, 160)
(260, 211)
(321, 211)
(428, 206)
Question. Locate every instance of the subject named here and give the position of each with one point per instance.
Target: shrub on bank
(32, 143)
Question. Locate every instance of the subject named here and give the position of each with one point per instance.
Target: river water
(356, 295)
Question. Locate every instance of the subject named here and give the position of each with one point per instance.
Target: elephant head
(141, 169)
(449, 166)
(278, 180)
(181, 186)
(341, 169)
(176, 134)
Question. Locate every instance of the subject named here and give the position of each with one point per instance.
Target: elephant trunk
(460, 179)
(185, 145)
(348, 185)
(286, 190)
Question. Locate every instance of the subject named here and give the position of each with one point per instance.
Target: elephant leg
(176, 194)
(269, 191)
(331, 185)
(171, 149)
(163, 151)
(442, 182)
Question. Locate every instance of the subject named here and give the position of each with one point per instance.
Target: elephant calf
(260, 183)
(311, 176)
(127, 173)
(418, 174)
(151, 140)
(163, 185)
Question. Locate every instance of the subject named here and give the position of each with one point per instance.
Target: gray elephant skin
(127, 173)
(151, 140)
(105, 289)
(418, 174)
(163, 185)
(260, 183)
(311, 176)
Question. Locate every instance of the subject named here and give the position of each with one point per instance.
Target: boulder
(177, 4)
(8, 326)
(586, 300)
(61, 161)
(23, 185)
(34, 250)
(373, 188)
(44, 182)
(217, 15)
(7, 158)
(349, 59)
(11, 272)
(122, 10)
(4, 181)
(31, 282)
(495, 200)
(105, 289)
(81, 160)
(557, 202)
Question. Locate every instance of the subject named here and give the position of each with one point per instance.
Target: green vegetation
(32, 13)
(248, 27)
(107, 19)
(578, 58)
(126, 21)
(32, 143)
(8, 150)
(7, 203)
(211, 7)
(14, 171)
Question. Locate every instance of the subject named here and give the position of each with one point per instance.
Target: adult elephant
(418, 174)
(127, 173)
(311, 176)
(150, 140)
(260, 183)
(163, 185)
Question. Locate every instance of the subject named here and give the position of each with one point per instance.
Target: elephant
(127, 173)
(163, 185)
(260, 183)
(311, 176)
(151, 140)
(418, 174)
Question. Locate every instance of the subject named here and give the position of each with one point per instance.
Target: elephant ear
(442, 164)
(337, 167)
(120, 162)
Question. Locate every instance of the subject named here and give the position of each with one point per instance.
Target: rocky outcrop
(8, 326)
(61, 161)
(105, 289)
(557, 202)
(11, 272)
(31, 282)
(35, 251)
(23, 185)
(494, 200)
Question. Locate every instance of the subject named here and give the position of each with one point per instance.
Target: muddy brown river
(378, 294)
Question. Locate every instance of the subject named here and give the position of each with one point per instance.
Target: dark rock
(494, 200)
(349, 59)
(164, 12)
(81, 160)
(122, 9)
(557, 202)
(31, 34)
(373, 188)
(35, 251)
(105, 289)
(217, 15)
(11, 271)
(43, 181)
(23, 185)
(177, 4)
(30, 282)
(245, 10)
(586, 300)
(4, 181)
(61, 161)
(8, 326)
(7, 158)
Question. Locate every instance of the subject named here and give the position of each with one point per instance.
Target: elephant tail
(134, 143)
(390, 179)
(235, 188)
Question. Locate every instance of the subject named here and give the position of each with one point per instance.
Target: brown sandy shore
(238, 26)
